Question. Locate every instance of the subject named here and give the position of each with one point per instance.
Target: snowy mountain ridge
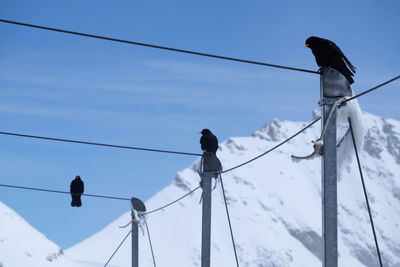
(274, 203)
(21, 245)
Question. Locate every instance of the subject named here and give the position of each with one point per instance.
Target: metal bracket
(327, 101)
(318, 145)
(318, 148)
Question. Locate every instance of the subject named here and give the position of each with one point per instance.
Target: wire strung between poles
(169, 204)
(99, 144)
(370, 90)
(151, 246)
(61, 192)
(229, 221)
(365, 195)
(158, 46)
(98, 196)
(275, 147)
(118, 248)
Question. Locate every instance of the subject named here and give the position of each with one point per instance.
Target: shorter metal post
(136, 206)
(135, 243)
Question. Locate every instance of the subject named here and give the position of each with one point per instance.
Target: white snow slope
(23, 246)
(275, 208)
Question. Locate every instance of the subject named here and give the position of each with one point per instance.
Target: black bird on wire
(208, 141)
(76, 189)
(328, 54)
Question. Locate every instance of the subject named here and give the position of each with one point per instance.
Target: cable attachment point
(138, 210)
(318, 146)
(209, 163)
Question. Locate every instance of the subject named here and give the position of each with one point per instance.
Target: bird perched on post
(208, 141)
(328, 54)
(76, 190)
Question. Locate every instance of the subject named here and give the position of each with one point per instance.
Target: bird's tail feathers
(348, 63)
(353, 69)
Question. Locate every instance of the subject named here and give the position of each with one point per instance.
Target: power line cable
(61, 192)
(99, 196)
(370, 90)
(99, 144)
(229, 221)
(275, 147)
(365, 194)
(172, 202)
(151, 246)
(123, 240)
(157, 46)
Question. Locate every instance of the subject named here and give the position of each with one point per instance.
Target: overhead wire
(309, 125)
(229, 221)
(61, 192)
(172, 202)
(100, 196)
(185, 153)
(157, 46)
(123, 240)
(370, 90)
(272, 149)
(99, 144)
(365, 195)
(151, 246)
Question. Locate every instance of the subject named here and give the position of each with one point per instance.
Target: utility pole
(333, 87)
(137, 206)
(206, 219)
(210, 166)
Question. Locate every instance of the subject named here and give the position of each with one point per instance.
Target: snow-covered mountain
(275, 208)
(21, 245)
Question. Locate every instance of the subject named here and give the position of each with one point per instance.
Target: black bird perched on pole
(76, 190)
(328, 54)
(208, 141)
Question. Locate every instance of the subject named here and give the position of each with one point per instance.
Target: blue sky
(64, 86)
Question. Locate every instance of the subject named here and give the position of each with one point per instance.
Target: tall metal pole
(329, 189)
(333, 86)
(206, 219)
(136, 206)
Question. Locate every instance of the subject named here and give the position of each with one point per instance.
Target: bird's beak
(199, 132)
(306, 46)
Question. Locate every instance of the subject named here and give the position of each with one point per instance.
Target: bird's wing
(202, 141)
(337, 49)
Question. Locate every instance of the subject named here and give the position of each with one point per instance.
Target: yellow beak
(306, 46)
(199, 132)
